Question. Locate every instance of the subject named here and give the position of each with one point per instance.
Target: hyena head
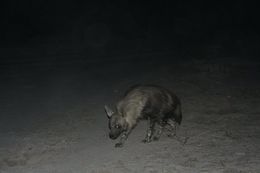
(117, 123)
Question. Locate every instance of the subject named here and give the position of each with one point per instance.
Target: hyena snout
(114, 134)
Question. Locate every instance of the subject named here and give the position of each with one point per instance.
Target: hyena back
(159, 106)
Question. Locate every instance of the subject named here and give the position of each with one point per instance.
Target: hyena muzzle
(159, 106)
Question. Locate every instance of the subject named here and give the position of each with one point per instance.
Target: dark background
(61, 61)
(199, 29)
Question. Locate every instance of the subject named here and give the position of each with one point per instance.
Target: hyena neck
(130, 122)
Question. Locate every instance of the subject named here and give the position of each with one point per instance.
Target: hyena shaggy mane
(159, 106)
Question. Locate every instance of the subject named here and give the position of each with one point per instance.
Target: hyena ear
(108, 111)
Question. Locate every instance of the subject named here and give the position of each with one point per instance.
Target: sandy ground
(52, 117)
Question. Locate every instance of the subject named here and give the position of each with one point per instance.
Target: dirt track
(52, 117)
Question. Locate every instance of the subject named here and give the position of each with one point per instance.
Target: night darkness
(62, 61)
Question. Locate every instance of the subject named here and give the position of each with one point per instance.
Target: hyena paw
(155, 138)
(119, 145)
(171, 135)
(146, 140)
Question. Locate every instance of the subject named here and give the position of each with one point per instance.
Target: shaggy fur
(159, 106)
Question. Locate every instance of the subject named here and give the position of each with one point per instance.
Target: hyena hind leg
(172, 127)
(159, 130)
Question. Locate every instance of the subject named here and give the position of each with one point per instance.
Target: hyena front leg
(124, 137)
(150, 131)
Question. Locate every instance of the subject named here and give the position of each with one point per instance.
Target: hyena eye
(117, 126)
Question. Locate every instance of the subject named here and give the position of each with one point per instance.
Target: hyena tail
(178, 114)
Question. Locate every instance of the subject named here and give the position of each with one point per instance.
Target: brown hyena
(156, 104)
